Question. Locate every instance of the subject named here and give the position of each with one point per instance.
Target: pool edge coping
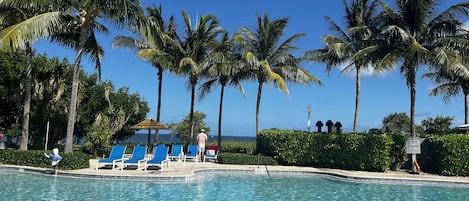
(193, 175)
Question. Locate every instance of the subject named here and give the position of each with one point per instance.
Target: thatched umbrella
(150, 124)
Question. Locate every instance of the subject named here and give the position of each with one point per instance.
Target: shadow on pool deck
(183, 171)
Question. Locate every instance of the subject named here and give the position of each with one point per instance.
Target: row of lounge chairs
(159, 158)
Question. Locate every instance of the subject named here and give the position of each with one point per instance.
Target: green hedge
(446, 154)
(36, 158)
(245, 159)
(346, 151)
(235, 147)
(441, 154)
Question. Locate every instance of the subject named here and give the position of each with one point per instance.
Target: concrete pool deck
(185, 171)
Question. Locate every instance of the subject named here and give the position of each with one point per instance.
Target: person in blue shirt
(55, 158)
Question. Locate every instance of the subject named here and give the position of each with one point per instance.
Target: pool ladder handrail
(263, 160)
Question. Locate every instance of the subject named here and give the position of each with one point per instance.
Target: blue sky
(380, 95)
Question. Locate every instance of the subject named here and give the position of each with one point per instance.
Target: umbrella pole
(148, 141)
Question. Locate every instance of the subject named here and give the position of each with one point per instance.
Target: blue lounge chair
(192, 152)
(117, 154)
(160, 157)
(176, 152)
(137, 158)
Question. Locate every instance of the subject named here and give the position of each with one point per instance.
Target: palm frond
(206, 88)
(279, 82)
(418, 51)
(337, 30)
(396, 32)
(297, 75)
(127, 42)
(30, 30)
(447, 90)
(188, 65)
(457, 11)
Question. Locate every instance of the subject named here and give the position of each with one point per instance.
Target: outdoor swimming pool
(219, 186)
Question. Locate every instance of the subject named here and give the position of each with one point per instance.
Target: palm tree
(86, 23)
(223, 70)
(16, 18)
(196, 45)
(73, 24)
(155, 47)
(450, 85)
(271, 60)
(340, 49)
(415, 34)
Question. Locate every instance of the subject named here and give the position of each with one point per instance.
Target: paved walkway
(187, 170)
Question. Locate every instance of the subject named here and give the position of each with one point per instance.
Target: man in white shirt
(201, 139)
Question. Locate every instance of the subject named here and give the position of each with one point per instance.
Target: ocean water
(167, 138)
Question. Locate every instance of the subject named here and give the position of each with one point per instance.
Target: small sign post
(412, 145)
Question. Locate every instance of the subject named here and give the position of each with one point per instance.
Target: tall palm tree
(339, 49)
(86, 23)
(415, 34)
(196, 45)
(271, 60)
(155, 47)
(76, 27)
(223, 69)
(16, 18)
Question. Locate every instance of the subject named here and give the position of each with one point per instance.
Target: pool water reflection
(219, 186)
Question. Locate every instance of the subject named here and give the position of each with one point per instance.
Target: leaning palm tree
(339, 49)
(414, 34)
(155, 46)
(271, 60)
(15, 19)
(195, 47)
(82, 30)
(223, 69)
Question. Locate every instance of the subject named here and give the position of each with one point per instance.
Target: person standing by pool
(55, 157)
(201, 139)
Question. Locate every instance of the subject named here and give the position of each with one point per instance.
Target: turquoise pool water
(220, 186)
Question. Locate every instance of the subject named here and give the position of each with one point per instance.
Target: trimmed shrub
(346, 151)
(398, 153)
(236, 147)
(35, 158)
(446, 154)
(245, 159)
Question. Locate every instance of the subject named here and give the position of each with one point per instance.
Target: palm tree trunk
(158, 105)
(412, 108)
(191, 114)
(73, 103)
(27, 100)
(466, 108)
(73, 100)
(412, 117)
(357, 100)
(160, 86)
(220, 114)
(258, 106)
